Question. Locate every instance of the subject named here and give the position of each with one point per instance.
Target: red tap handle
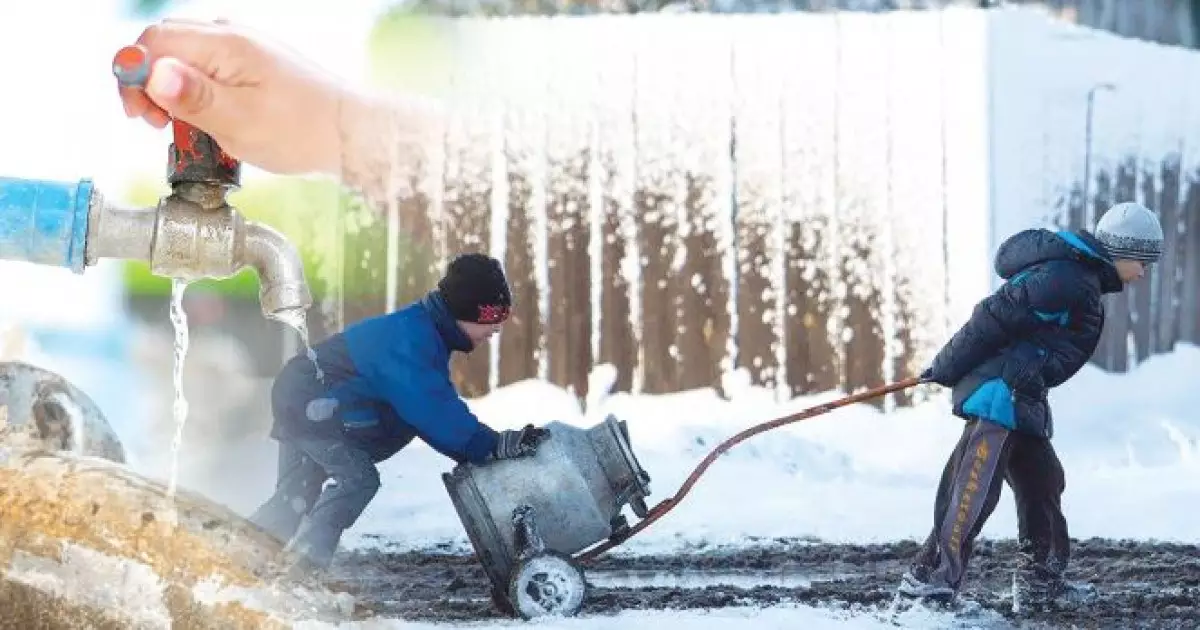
(131, 66)
(195, 156)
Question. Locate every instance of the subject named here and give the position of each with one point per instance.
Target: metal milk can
(525, 517)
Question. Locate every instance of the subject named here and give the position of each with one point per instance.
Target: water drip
(180, 407)
(295, 319)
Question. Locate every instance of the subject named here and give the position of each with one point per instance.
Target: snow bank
(744, 618)
(1129, 444)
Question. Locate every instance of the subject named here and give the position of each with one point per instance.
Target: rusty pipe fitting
(193, 234)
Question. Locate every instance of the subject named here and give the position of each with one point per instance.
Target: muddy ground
(1141, 585)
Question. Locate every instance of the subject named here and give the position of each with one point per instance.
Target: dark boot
(353, 482)
(312, 547)
(299, 485)
(1038, 586)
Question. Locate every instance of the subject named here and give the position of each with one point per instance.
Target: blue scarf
(446, 325)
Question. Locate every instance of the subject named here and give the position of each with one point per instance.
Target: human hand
(263, 104)
(929, 376)
(512, 443)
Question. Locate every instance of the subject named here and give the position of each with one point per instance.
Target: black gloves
(929, 377)
(512, 443)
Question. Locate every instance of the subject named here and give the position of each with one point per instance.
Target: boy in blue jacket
(1035, 332)
(381, 382)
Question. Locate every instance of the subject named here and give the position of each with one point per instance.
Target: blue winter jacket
(1035, 332)
(386, 380)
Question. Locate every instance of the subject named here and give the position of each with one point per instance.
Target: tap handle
(197, 158)
(194, 156)
(131, 66)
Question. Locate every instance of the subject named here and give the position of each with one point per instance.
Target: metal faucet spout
(283, 291)
(192, 233)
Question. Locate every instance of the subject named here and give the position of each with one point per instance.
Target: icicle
(495, 106)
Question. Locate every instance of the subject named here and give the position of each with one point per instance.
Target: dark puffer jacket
(1035, 332)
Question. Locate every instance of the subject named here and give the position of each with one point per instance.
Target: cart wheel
(548, 584)
(500, 601)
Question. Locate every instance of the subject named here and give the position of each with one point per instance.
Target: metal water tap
(196, 232)
(192, 233)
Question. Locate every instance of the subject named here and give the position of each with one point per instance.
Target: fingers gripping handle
(195, 156)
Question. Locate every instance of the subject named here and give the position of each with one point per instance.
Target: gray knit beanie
(1129, 231)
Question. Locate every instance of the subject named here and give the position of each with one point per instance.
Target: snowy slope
(1129, 444)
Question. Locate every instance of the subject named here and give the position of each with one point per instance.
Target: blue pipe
(44, 222)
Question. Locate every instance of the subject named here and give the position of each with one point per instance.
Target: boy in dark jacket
(382, 382)
(1035, 332)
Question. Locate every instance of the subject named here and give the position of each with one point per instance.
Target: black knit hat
(475, 289)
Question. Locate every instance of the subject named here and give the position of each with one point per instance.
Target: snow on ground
(1129, 444)
(777, 617)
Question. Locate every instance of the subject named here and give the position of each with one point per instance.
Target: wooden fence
(768, 196)
(810, 198)
(1152, 315)
(1071, 104)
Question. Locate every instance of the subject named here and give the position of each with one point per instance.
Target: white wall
(1040, 73)
(942, 132)
(926, 137)
(871, 126)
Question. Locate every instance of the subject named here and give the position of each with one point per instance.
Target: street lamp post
(1087, 155)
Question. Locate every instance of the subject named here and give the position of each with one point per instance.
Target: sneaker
(913, 587)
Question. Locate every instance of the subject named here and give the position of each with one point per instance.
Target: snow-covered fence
(1143, 102)
(814, 198)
